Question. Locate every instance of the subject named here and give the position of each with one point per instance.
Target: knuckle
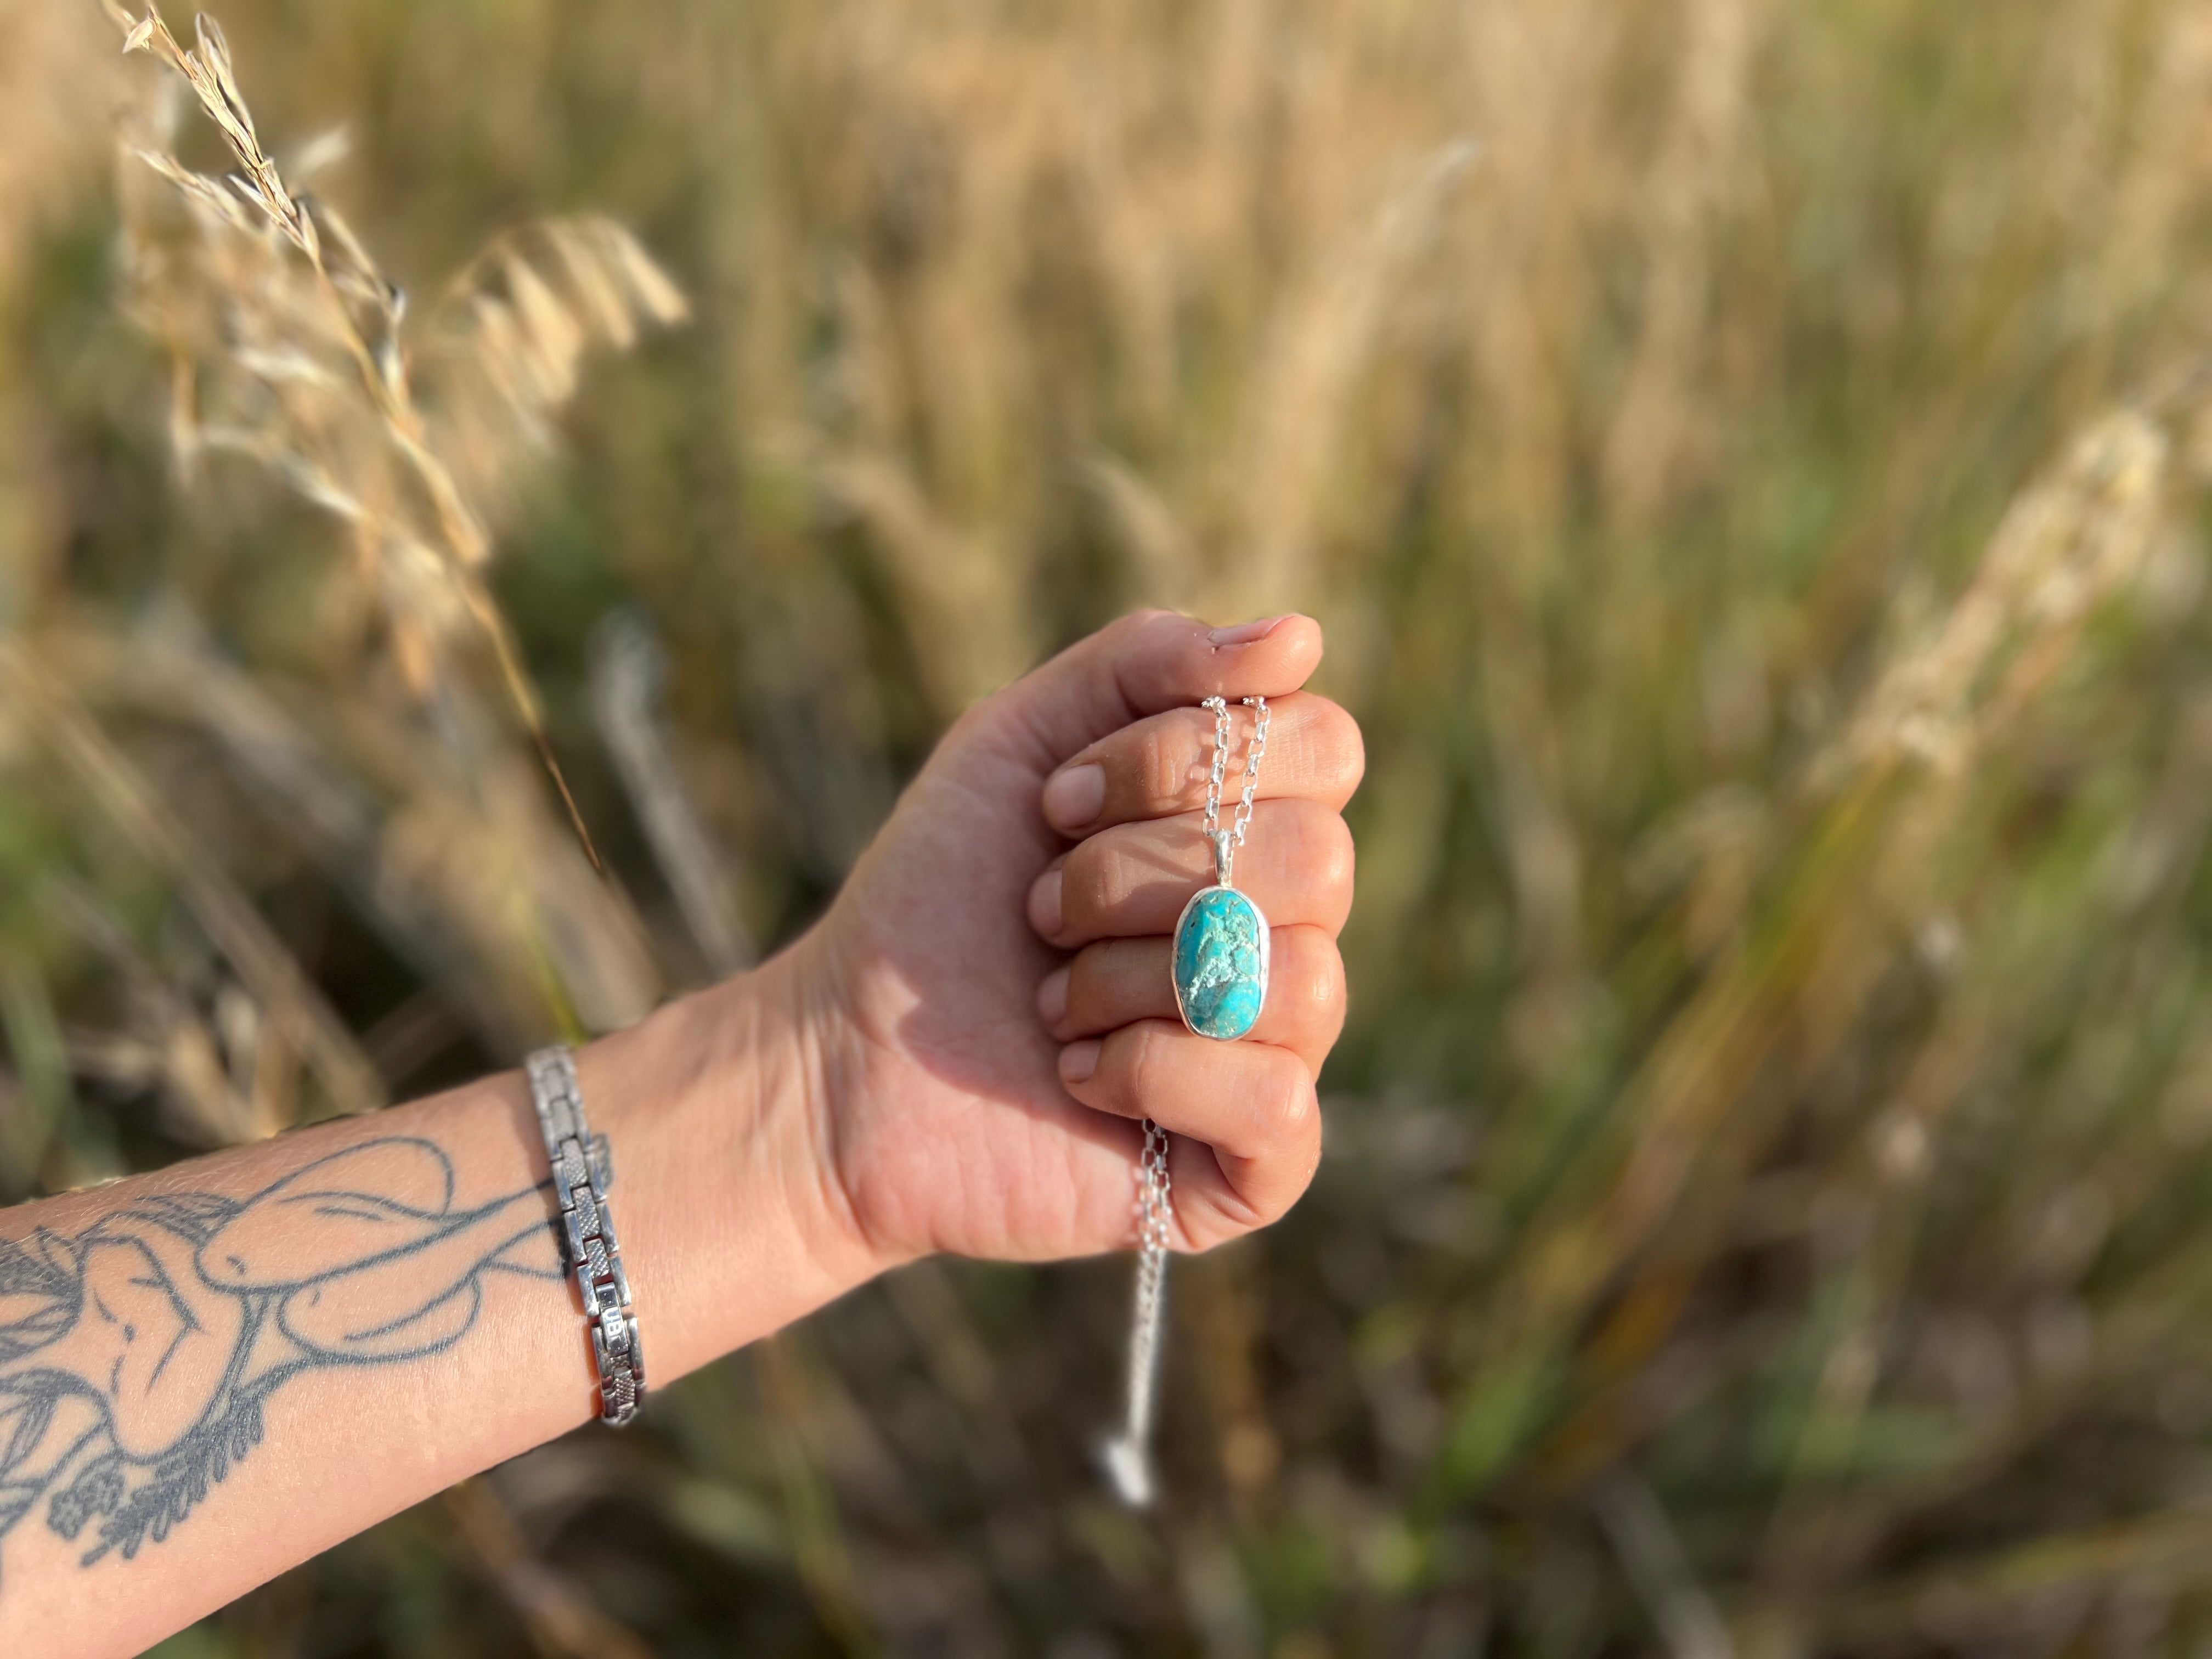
(1308, 974)
(1320, 980)
(1340, 751)
(1308, 977)
(1086, 887)
(1286, 1197)
(1145, 1057)
(1325, 853)
(1337, 854)
(1139, 625)
(1084, 975)
(1289, 1106)
(1164, 764)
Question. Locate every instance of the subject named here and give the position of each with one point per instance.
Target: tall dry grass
(1751, 463)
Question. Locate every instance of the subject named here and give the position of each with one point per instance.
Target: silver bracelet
(582, 1172)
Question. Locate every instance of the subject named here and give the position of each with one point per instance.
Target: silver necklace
(1220, 964)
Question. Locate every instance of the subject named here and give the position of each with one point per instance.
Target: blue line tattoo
(136, 1357)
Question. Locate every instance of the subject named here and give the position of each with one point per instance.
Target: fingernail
(1052, 996)
(1246, 633)
(1075, 796)
(1044, 905)
(1079, 1060)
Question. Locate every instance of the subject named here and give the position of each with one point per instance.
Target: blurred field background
(1752, 462)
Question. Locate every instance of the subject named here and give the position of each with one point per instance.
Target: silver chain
(1225, 842)
(1128, 1453)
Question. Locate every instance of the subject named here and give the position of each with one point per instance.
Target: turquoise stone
(1221, 962)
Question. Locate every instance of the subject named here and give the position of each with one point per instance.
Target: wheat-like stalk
(1778, 1094)
(290, 345)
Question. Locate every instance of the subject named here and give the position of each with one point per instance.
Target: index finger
(1161, 766)
(1153, 661)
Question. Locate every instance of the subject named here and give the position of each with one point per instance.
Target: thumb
(1150, 662)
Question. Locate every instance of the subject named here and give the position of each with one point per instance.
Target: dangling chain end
(1126, 1456)
(1129, 1468)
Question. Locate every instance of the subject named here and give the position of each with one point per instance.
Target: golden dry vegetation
(1752, 462)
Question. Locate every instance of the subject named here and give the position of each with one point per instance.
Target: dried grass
(286, 345)
(1751, 463)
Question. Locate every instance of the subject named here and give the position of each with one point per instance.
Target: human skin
(209, 1373)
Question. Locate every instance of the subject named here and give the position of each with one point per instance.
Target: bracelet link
(582, 1172)
(569, 1169)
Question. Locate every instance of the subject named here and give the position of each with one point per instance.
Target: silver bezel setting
(1267, 952)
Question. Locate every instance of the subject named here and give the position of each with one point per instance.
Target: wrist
(732, 1221)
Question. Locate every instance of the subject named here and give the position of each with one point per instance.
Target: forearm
(210, 1373)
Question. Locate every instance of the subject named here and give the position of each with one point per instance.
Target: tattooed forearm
(136, 1356)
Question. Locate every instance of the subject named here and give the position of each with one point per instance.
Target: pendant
(1220, 963)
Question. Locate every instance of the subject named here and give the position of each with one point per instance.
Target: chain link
(1225, 843)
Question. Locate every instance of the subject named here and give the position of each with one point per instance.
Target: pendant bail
(1224, 853)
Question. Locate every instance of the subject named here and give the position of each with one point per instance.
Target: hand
(980, 1086)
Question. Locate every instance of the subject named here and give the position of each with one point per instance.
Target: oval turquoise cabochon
(1221, 962)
